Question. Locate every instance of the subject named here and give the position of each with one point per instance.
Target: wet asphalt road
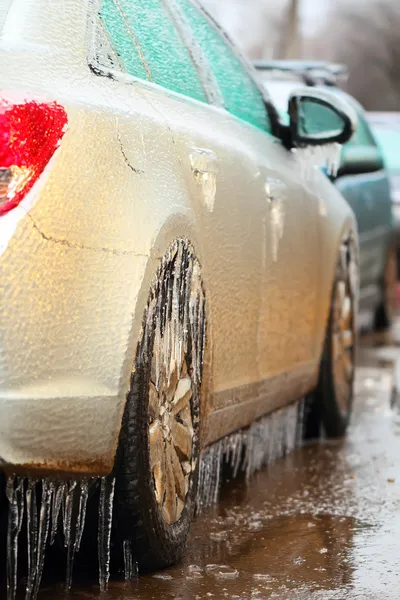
(322, 523)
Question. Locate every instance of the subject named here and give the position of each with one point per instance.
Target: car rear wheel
(386, 310)
(331, 404)
(157, 459)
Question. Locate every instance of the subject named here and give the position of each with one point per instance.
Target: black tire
(139, 517)
(331, 404)
(386, 310)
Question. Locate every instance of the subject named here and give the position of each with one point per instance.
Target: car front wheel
(331, 404)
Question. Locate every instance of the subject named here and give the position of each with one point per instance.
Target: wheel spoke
(159, 479)
(154, 401)
(169, 504)
(182, 438)
(348, 365)
(156, 443)
(182, 395)
(336, 346)
(347, 339)
(186, 417)
(345, 321)
(341, 292)
(177, 471)
(173, 382)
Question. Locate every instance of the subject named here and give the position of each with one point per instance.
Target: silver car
(169, 272)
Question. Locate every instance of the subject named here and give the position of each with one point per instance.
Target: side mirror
(356, 160)
(318, 118)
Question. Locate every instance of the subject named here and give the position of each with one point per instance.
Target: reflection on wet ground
(323, 523)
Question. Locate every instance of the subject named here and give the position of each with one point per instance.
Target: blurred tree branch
(366, 37)
(289, 45)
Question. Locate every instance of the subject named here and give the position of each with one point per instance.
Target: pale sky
(254, 24)
(313, 13)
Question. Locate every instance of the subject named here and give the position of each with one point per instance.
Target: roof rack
(311, 72)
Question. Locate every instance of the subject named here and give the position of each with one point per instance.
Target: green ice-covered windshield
(154, 40)
(240, 93)
(149, 46)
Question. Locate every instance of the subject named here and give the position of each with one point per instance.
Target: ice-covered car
(362, 179)
(168, 277)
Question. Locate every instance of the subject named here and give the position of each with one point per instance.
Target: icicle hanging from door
(313, 158)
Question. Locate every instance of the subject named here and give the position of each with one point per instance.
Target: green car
(363, 179)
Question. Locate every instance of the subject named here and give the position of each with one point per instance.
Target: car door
(369, 196)
(277, 211)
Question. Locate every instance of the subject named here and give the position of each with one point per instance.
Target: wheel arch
(176, 228)
(348, 228)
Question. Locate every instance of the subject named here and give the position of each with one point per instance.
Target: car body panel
(79, 254)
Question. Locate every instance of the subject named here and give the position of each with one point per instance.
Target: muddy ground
(322, 523)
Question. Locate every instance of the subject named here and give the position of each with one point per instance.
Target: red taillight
(29, 134)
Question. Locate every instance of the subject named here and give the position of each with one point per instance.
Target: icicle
(70, 562)
(70, 529)
(32, 535)
(67, 512)
(44, 525)
(313, 158)
(58, 496)
(235, 444)
(84, 492)
(15, 495)
(265, 440)
(72, 497)
(334, 152)
(104, 532)
(131, 566)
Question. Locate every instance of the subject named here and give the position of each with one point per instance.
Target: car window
(240, 94)
(148, 45)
